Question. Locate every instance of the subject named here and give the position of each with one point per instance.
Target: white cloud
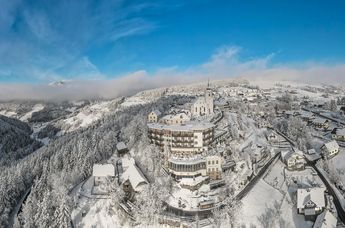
(223, 64)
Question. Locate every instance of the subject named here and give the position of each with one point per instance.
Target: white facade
(187, 167)
(203, 106)
(188, 139)
(196, 166)
(214, 166)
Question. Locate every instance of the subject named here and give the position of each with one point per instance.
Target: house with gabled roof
(294, 159)
(338, 134)
(311, 202)
(307, 116)
(330, 149)
(154, 116)
(133, 180)
(101, 172)
(321, 123)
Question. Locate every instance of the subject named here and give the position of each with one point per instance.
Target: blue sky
(44, 41)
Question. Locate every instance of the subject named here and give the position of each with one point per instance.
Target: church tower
(209, 98)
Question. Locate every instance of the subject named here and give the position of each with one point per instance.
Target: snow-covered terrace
(190, 126)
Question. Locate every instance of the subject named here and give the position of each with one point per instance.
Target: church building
(203, 106)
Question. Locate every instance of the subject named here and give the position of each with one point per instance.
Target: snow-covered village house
(321, 123)
(338, 134)
(272, 136)
(101, 173)
(311, 202)
(293, 159)
(330, 149)
(307, 116)
(132, 178)
(154, 116)
(203, 106)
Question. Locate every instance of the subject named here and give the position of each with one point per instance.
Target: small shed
(121, 148)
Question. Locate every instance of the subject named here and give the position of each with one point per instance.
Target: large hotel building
(183, 140)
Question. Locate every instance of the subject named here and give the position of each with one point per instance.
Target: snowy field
(96, 213)
(261, 197)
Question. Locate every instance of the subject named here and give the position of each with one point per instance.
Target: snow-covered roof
(311, 151)
(191, 126)
(200, 100)
(105, 170)
(180, 115)
(314, 195)
(332, 145)
(298, 151)
(285, 154)
(288, 154)
(325, 220)
(156, 112)
(213, 157)
(135, 177)
(121, 146)
(306, 114)
(187, 160)
(339, 131)
(127, 162)
(319, 121)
